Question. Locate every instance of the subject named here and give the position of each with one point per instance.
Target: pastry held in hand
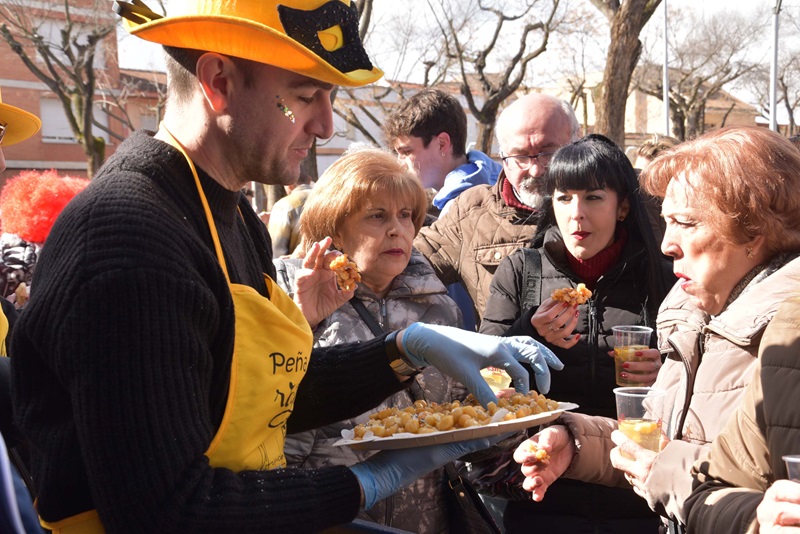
(497, 379)
(535, 454)
(347, 275)
(572, 296)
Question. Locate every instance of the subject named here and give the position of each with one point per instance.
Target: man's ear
(443, 143)
(214, 72)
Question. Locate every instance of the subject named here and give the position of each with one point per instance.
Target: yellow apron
(3, 333)
(271, 350)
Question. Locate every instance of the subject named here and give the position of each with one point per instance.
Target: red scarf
(592, 269)
(510, 197)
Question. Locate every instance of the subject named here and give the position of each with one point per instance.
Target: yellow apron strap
(83, 523)
(209, 217)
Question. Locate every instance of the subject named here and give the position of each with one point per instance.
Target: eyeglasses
(3, 127)
(524, 163)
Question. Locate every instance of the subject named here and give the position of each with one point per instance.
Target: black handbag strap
(531, 279)
(452, 475)
(468, 499)
(414, 390)
(465, 496)
(362, 310)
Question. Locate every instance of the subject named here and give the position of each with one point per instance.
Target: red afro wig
(31, 202)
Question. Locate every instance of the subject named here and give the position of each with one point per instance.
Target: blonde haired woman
(372, 208)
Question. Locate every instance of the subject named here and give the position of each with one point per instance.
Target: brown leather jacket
(745, 459)
(709, 363)
(470, 240)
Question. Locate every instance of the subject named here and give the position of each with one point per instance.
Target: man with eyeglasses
(487, 223)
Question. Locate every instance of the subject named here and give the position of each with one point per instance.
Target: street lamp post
(773, 78)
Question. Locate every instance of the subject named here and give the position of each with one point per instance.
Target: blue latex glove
(462, 354)
(388, 471)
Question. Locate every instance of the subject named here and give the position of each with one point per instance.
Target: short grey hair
(574, 125)
(566, 108)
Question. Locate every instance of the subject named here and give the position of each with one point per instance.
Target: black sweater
(121, 362)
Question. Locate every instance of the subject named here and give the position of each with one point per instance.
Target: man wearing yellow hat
(17, 513)
(157, 367)
(15, 125)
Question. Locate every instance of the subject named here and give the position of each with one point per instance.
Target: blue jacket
(479, 169)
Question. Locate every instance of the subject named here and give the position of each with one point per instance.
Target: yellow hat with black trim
(315, 38)
(20, 124)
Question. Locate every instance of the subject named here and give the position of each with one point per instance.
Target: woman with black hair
(592, 230)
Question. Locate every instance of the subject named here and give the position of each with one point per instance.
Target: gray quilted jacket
(416, 295)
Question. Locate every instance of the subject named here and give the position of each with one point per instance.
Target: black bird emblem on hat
(305, 27)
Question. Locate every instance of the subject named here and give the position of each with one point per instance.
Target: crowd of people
(183, 364)
(733, 237)
(591, 229)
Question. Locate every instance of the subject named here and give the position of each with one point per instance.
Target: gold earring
(749, 252)
(621, 218)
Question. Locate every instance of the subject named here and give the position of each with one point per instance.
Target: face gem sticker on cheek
(281, 104)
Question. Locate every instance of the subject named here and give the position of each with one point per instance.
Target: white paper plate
(406, 440)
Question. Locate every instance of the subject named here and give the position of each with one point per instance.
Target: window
(55, 126)
(50, 30)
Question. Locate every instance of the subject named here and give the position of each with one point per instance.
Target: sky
(139, 54)
(136, 53)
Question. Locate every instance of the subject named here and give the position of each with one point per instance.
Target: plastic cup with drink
(497, 379)
(628, 340)
(635, 415)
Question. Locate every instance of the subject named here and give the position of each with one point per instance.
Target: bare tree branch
(364, 8)
(709, 54)
(489, 70)
(67, 59)
(726, 114)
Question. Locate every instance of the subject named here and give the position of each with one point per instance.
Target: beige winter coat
(470, 240)
(746, 458)
(709, 363)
